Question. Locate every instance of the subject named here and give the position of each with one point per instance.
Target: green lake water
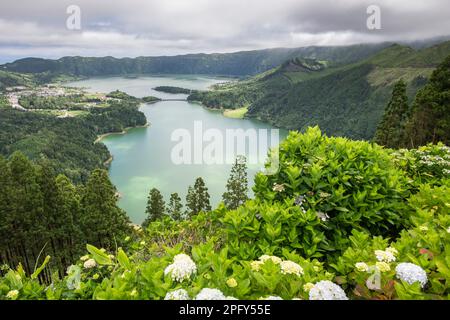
(142, 156)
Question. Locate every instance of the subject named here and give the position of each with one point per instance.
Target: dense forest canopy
(67, 143)
(51, 216)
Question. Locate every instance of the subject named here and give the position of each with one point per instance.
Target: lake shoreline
(218, 110)
(107, 163)
(124, 131)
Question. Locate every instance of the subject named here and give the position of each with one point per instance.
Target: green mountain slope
(242, 63)
(8, 79)
(345, 100)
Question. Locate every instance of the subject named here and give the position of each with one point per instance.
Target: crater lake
(142, 156)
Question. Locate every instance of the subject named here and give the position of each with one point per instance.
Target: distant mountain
(244, 63)
(343, 99)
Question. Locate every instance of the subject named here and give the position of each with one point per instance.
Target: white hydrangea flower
(12, 294)
(392, 250)
(362, 266)
(384, 256)
(266, 257)
(448, 230)
(210, 294)
(182, 268)
(290, 267)
(327, 290)
(179, 294)
(89, 264)
(256, 265)
(410, 273)
(383, 266)
(308, 286)
(231, 282)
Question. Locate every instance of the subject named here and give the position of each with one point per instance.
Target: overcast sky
(167, 27)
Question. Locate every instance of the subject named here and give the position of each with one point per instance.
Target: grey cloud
(153, 27)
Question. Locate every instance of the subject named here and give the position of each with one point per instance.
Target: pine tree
(5, 215)
(237, 185)
(430, 115)
(52, 220)
(202, 195)
(102, 221)
(191, 202)
(390, 131)
(197, 198)
(41, 214)
(69, 208)
(174, 209)
(155, 207)
(25, 211)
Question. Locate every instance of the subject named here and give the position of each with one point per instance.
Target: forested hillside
(42, 214)
(426, 119)
(344, 100)
(67, 143)
(9, 79)
(232, 64)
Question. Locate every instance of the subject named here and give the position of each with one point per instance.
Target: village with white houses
(85, 100)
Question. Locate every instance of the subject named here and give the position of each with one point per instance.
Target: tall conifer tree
(174, 208)
(155, 207)
(430, 115)
(102, 220)
(197, 198)
(390, 131)
(237, 185)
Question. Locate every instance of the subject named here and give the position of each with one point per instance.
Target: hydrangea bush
(346, 184)
(427, 164)
(341, 220)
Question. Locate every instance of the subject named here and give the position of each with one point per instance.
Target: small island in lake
(175, 90)
(150, 99)
(120, 95)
